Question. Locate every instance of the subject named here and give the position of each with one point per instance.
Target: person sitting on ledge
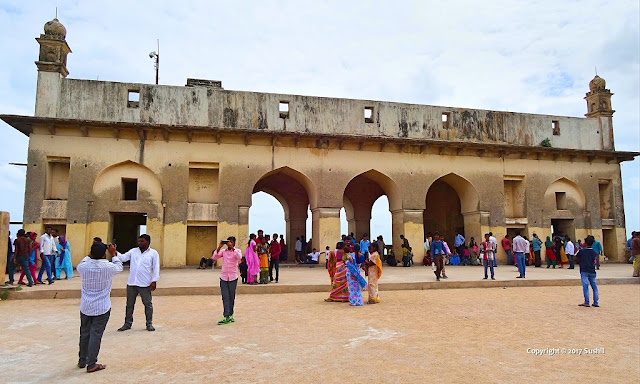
(312, 258)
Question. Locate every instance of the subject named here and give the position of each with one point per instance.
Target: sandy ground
(466, 335)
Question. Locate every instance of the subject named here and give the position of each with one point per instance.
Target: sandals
(96, 368)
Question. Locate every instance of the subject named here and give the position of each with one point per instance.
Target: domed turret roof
(55, 28)
(597, 84)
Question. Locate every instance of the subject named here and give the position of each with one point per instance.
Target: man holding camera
(144, 272)
(228, 276)
(95, 304)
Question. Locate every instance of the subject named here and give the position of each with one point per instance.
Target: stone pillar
(408, 222)
(363, 225)
(4, 234)
(397, 229)
(243, 229)
(325, 228)
(295, 227)
(351, 226)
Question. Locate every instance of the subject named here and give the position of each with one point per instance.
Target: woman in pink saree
(253, 263)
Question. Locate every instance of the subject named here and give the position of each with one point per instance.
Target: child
(243, 269)
(263, 256)
(466, 256)
(405, 256)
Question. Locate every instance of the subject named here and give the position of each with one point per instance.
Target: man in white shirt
(95, 304)
(48, 253)
(570, 250)
(520, 246)
(493, 240)
(298, 250)
(313, 257)
(144, 272)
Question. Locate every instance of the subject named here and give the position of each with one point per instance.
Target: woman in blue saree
(63, 261)
(355, 281)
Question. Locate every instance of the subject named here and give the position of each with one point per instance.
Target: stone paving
(191, 281)
(443, 336)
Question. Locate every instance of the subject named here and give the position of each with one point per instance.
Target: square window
(561, 201)
(368, 114)
(446, 117)
(284, 109)
(129, 189)
(133, 100)
(555, 125)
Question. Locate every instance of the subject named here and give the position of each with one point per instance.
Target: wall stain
(230, 117)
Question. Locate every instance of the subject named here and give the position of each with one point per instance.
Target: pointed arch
(572, 190)
(467, 192)
(110, 178)
(285, 175)
(387, 186)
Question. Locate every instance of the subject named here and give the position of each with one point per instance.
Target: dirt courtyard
(455, 335)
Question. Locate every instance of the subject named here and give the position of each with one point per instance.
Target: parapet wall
(224, 109)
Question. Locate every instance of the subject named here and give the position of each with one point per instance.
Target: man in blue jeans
(520, 247)
(587, 260)
(48, 253)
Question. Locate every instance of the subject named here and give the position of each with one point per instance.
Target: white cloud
(535, 57)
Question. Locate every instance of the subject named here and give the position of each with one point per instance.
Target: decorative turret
(53, 48)
(598, 99)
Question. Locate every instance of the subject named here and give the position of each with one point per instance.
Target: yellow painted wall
(201, 242)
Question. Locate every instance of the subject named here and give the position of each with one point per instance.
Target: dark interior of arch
(443, 213)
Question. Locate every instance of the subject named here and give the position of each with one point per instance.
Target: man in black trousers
(95, 302)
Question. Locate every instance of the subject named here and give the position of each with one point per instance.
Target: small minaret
(598, 99)
(599, 107)
(52, 67)
(53, 48)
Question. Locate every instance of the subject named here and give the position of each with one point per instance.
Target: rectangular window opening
(133, 100)
(284, 109)
(368, 114)
(555, 125)
(446, 117)
(561, 201)
(129, 189)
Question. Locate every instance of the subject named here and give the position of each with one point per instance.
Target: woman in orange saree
(338, 273)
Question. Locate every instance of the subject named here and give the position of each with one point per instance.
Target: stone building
(107, 157)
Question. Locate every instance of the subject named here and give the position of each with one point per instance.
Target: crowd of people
(27, 251)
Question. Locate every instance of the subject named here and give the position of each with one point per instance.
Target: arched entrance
(565, 201)
(452, 206)
(291, 189)
(128, 200)
(359, 197)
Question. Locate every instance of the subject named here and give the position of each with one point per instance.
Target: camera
(225, 241)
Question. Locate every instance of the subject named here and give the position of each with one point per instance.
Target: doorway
(126, 229)
(609, 244)
(564, 226)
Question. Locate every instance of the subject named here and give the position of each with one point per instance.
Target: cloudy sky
(533, 57)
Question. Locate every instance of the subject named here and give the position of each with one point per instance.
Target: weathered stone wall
(324, 174)
(218, 108)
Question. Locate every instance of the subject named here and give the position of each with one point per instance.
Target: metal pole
(158, 62)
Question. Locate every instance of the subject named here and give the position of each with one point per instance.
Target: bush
(546, 143)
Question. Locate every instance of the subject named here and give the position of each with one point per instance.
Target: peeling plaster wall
(218, 108)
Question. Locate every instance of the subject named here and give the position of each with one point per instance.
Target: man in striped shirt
(95, 302)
